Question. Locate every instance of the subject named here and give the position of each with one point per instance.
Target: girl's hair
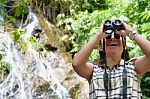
(124, 55)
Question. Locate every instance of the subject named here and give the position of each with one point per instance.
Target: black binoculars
(112, 26)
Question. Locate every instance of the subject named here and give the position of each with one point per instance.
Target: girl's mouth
(112, 44)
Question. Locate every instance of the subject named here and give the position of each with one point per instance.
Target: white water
(30, 71)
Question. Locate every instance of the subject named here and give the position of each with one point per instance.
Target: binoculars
(112, 26)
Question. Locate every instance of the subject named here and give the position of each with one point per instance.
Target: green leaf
(18, 11)
(1, 56)
(17, 37)
(32, 40)
(24, 3)
(4, 64)
(9, 17)
(24, 46)
(2, 2)
(13, 19)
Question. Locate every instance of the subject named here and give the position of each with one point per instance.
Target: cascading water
(30, 75)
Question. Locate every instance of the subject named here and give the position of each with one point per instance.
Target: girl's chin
(112, 47)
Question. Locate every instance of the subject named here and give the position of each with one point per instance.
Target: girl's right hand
(101, 34)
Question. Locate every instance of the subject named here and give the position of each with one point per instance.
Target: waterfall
(30, 75)
(32, 22)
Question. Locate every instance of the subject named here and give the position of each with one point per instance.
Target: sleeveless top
(96, 87)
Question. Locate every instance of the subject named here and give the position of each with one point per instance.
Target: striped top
(96, 87)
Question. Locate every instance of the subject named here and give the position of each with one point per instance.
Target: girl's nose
(112, 35)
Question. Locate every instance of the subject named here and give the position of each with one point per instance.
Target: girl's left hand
(126, 30)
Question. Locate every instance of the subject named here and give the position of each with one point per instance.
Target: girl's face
(113, 44)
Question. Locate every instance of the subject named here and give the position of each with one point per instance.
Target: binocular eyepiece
(112, 26)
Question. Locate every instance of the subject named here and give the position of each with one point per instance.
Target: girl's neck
(112, 61)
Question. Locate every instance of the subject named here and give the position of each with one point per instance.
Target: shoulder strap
(105, 78)
(124, 83)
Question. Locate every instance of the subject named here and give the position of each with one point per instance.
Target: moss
(75, 90)
(43, 88)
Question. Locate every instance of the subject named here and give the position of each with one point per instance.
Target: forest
(78, 21)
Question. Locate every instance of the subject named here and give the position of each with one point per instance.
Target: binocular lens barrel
(107, 22)
(117, 22)
(112, 26)
(118, 25)
(108, 27)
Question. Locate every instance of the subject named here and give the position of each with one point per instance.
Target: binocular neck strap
(105, 78)
(105, 75)
(124, 74)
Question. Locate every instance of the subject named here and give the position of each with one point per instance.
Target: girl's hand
(126, 30)
(101, 34)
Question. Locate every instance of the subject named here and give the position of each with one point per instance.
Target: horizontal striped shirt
(96, 87)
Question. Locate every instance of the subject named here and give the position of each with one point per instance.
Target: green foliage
(85, 26)
(4, 66)
(82, 26)
(145, 84)
(139, 15)
(145, 16)
(2, 2)
(10, 18)
(20, 9)
(80, 20)
(1, 57)
(85, 23)
(86, 18)
(36, 45)
(146, 97)
(16, 10)
(89, 5)
(24, 46)
(17, 34)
